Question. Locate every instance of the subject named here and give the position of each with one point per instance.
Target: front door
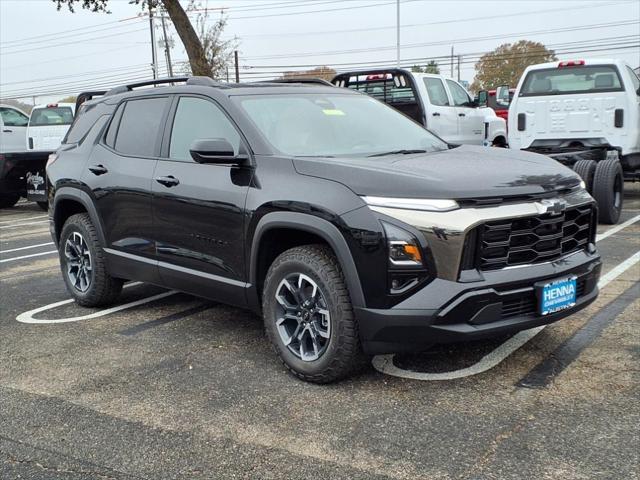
(119, 173)
(470, 118)
(13, 130)
(198, 209)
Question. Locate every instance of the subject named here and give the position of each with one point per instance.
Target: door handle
(169, 181)
(462, 114)
(98, 169)
(436, 114)
(7, 131)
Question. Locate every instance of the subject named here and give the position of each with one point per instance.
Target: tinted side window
(199, 119)
(139, 127)
(82, 123)
(110, 137)
(437, 93)
(459, 95)
(13, 118)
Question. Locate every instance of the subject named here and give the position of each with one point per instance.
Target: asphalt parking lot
(171, 386)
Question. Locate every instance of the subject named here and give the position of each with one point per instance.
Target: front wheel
(83, 264)
(8, 200)
(308, 315)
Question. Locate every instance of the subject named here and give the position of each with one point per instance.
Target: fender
(317, 226)
(83, 198)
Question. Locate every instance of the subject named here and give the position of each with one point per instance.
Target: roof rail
(198, 80)
(317, 81)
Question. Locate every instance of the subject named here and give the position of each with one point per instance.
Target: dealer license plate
(557, 295)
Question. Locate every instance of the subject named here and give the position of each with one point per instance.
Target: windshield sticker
(333, 112)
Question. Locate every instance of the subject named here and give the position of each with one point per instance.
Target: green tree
(504, 65)
(69, 99)
(177, 14)
(431, 67)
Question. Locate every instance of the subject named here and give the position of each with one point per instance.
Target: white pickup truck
(585, 113)
(440, 104)
(48, 124)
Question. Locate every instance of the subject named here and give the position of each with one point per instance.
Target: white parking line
(17, 225)
(617, 228)
(26, 248)
(384, 363)
(23, 219)
(13, 259)
(27, 317)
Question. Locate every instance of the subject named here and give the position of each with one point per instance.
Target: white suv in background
(48, 124)
(439, 103)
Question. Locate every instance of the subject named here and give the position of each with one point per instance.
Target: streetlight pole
(398, 33)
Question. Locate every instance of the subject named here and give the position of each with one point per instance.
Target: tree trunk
(190, 40)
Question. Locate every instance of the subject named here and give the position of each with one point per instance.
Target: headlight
(583, 185)
(428, 205)
(403, 247)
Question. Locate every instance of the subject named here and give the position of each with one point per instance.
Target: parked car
(440, 104)
(48, 124)
(585, 113)
(350, 228)
(498, 100)
(13, 126)
(22, 173)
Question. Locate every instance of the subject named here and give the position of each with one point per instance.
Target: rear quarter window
(83, 122)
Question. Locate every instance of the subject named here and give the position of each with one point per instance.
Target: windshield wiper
(397, 152)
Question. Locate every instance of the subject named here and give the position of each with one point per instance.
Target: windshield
(566, 80)
(335, 125)
(51, 116)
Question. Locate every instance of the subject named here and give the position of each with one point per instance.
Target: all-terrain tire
(586, 169)
(103, 289)
(8, 200)
(608, 190)
(343, 354)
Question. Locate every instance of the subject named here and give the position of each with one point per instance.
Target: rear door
(470, 118)
(13, 125)
(442, 118)
(119, 174)
(198, 209)
(48, 126)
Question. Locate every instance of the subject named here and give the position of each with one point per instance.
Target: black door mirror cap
(215, 150)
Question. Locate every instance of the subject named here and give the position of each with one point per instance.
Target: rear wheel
(308, 315)
(43, 205)
(8, 200)
(83, 264)
(608, 190)
(586, 169)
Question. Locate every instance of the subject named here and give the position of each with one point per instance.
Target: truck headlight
(406, 266)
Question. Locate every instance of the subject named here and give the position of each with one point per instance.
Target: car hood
(458, 173)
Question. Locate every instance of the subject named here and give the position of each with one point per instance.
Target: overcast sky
(52, 53)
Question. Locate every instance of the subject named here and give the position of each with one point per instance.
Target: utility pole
(398, 33)
(235, 61)
(451, 61)
(154, 63)
(167, 50)
(459, 57)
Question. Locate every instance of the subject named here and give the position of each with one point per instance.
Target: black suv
(351, 229)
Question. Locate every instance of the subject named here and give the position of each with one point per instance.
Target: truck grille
(543, 238)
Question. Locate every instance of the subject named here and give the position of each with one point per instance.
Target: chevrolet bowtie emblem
(554, 206)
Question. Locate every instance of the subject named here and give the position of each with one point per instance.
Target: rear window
(567, 80)
(383, 88)
(139, 128)
(51, 116)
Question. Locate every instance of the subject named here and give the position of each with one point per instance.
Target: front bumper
(447, 311)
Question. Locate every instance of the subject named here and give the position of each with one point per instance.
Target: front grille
(542, 238)
(526, 303)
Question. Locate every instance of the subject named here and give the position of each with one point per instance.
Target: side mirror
(502, 95)
(483, 98)
(214, 150)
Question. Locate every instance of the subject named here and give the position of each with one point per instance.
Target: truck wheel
(586, 169)
(608, 190)
(8, 201)
(308, 315)
(83, 264)
(43, 205)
